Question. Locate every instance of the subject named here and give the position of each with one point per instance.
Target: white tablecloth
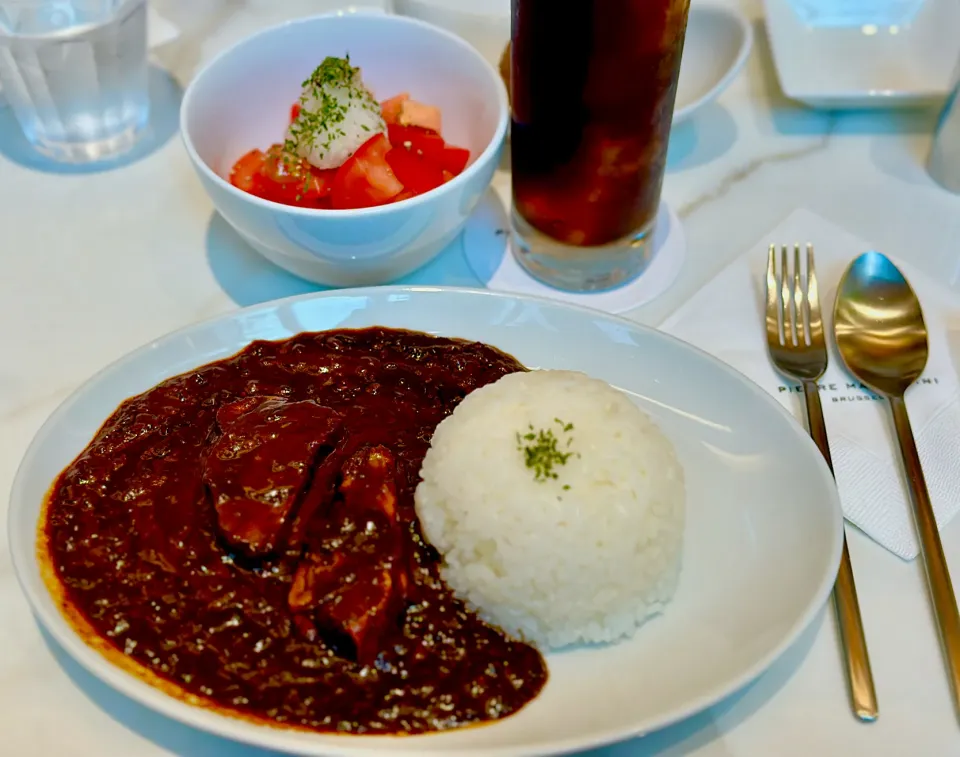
(95, 264)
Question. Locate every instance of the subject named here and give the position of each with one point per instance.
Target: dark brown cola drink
(593, 87)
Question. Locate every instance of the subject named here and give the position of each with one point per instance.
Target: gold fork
(798, 350)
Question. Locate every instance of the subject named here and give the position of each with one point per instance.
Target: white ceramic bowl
(719, 40)
(242, 98)
(485, 24)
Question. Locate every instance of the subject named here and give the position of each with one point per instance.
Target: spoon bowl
(879, 325)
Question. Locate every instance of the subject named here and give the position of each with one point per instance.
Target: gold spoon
(879, 329)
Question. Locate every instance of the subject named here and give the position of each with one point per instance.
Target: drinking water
(75, 73)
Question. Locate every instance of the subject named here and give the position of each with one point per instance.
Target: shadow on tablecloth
(704, 137)
(244, 275)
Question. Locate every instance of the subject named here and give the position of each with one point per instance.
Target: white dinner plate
(869, 66)
(762, 543)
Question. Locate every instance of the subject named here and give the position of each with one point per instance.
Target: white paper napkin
(725, 318)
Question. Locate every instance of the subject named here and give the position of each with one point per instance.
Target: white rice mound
(587, 557)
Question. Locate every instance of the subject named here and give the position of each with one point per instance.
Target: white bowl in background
(719, 40)
(718, 43)
(242, 98)
(485, 24)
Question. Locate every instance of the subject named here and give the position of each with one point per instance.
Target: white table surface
(95, 264)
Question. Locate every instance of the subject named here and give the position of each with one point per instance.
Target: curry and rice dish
(253, 535)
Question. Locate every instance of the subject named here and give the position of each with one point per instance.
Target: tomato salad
(406, 161)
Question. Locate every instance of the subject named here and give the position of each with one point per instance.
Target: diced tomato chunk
(312, 190)
(416, 173)
(428, 143)
(246, 169)
(413, 113)
(412, 158)
(277, 177)
(390, 109)
(283, 168)
(366, 179)
(321, 181)
(454, 159)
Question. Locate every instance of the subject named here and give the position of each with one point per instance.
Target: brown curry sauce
(246, 533)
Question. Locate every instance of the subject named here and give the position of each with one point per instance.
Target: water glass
(75, 74)
(593, 85)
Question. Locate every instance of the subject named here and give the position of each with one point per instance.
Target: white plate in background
(762, 539)
(869, 66)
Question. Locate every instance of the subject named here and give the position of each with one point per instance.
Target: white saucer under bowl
(867, 66)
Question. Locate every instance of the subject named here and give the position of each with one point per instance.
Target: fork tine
(786, 300)
(813, 298)
(774, 332)
(799, 297)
